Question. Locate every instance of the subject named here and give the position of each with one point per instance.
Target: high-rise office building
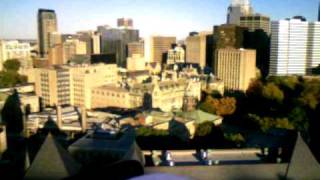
(55, 55)
(72, 85)
(319, 12)
(260, 41)
(199, 48)
(63, 53)
(47, 23)
(15, 50)
(92, 40)
(115, 41)
(157, 47)
(313, 49)
(295, 47)
(176, 55)
(125, 23)
(86, 77)
(136, 62)
(237, 9)
(256, 21)
(53, 85)
(72, 47)
(54, 39)
(236, 67)
(228, 35)
(136, 48)
(96, 43)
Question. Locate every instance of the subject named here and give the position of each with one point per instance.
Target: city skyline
(185, 16)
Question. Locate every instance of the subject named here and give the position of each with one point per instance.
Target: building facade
(165, 95)
(92, 40)
(256, 21)
(228, 36)
(176, 55)
(72, 85)
(157, 47)
(53, 85)
(61, 54)
(126, 23)
(319, 13)
(15, 50)
(115, 41)
(236, 67)
(136, 48)
(237, 9)
(47, 23)
(136, 63)
(86, 77)
(294, 47)
(198, 48)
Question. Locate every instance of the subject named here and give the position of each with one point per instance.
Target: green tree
(310, 95)
(299, 118)
(146, 131)
(237, 138)
(265, 123)
(273, 93)
(204, 129)
(9, 77)
(12, 65)
(222, 106)
(12, 114)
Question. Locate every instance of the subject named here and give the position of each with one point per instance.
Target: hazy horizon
(164, 17)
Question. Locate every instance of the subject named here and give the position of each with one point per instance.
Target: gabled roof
(52, 162)
(303, 164)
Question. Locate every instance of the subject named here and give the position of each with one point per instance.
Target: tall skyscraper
(256, 21)
(199, 48)
(136, 48)
(260, 41)
(237, 9)
(236, 67)
(176, 55)
(228, 35)
(156, 48)
(115, 41)
(319, 13)
(295, 47)
(125, 23)
(47, 23)
(53, 85)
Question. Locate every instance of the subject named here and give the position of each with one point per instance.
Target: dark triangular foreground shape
(303, 164)
(52, 162)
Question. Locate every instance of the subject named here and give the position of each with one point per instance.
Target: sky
(18, 18)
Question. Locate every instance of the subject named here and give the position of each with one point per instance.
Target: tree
(273, 93)
(9, 77)
(265, 123)
(12, 65)
(310, 95)
(146, 131)
(223, 106)
(237, 138)
(204, 129)
(299, 118)
(12, 114)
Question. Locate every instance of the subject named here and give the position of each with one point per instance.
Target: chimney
(59, 116)
(83, 119)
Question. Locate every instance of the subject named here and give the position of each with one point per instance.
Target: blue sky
(165, 17)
